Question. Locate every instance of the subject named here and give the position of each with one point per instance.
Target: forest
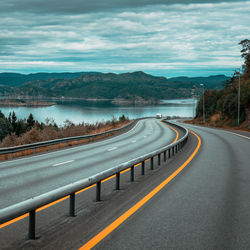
(221, 106)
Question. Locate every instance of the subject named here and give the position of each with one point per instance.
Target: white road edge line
(229, 132)
(238, 135)
(133, 141)
(111, 149)
(37, 156)
(62, 163)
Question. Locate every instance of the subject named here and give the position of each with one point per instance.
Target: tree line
(221, 106)
(13, 125)
(14, 132)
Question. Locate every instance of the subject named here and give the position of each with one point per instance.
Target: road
(28, 177)
(204, 206)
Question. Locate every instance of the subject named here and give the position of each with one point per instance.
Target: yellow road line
(177, 133)
(100, 236)
(80, 191)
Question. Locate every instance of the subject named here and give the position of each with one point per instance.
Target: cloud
(154, 37)
(86, 6)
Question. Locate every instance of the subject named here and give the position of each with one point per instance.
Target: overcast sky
(160, 37)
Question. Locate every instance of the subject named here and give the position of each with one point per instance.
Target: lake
(91, 112)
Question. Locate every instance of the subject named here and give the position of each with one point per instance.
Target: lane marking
(41, 208)
(111, 149)
(66, 149)
(133, 141)
(80, 191)
(105, 232)
(177, 133)
(243, 136)
(217, 129)
(62, 163)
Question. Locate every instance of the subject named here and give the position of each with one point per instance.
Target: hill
(133, 87)
(211, 82)
(16, 79)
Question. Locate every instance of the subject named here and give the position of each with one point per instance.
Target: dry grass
(216, 122)
(52, 132)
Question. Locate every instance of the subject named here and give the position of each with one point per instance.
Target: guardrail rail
(17, 151)
(31, 205)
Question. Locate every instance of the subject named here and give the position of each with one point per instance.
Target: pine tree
(245, 53)
(30, 122)
(14, 121)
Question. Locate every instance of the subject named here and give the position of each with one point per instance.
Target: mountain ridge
(95, 85)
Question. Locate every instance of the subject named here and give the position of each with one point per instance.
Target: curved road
(204, 206)
(28, 177)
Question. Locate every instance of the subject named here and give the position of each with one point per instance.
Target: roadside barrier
(18, 151)
(31, 205)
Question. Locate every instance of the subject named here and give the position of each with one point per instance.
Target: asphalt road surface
(206, 205)
(25, 178)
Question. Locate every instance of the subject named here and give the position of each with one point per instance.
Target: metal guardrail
(30, 205)
(51, 143)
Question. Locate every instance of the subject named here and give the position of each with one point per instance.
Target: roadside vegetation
(221, 106)
(14, 132)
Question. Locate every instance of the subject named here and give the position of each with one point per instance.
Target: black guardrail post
(169, 153)
(72, 205)
(159, 159)
(165, 156)
(117, 183)
(173, 151)
(132, 173)
(32, 225)
(143, 168)
(98, 191)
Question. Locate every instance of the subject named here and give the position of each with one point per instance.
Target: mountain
(99, 86)
(211, 82)
(16, 79)
(136, 87)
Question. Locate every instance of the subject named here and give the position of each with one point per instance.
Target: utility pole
(239, 99)
(203, 103)
(193, 96)
(193, 107)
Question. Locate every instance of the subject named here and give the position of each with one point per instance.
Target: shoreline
(22, 103)
(50, 101)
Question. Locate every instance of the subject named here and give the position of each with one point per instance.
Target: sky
(160, 37)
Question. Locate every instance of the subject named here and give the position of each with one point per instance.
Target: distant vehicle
(158, 116)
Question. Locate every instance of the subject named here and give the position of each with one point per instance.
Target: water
(92, 112)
